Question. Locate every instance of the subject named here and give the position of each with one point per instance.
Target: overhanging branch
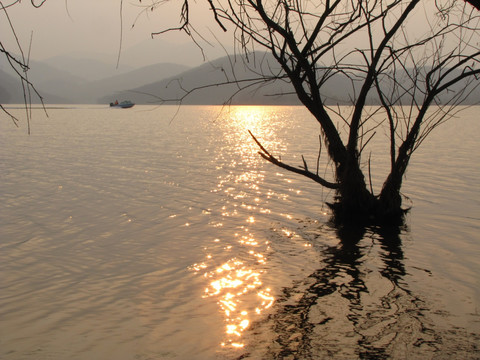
(269, 157)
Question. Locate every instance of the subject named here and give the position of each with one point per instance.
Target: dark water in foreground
(125, 236)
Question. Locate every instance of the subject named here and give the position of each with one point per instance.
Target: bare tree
(18, 61)
(417, 60)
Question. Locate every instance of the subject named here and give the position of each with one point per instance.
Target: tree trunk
(390, 200)
(355, 204)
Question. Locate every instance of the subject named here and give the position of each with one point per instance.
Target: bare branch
(267, 156)
(38, 5)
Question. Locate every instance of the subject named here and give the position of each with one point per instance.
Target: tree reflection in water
(356, 305)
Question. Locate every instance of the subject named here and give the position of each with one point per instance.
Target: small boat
(123, 105)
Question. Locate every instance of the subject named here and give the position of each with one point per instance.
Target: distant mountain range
(213, 83)
(65, 80)
(69, 80)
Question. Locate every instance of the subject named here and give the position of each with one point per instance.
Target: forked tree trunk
(355, 204)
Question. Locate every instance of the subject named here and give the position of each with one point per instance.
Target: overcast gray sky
(87, 26)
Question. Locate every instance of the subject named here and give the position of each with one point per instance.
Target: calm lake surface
(147, 234)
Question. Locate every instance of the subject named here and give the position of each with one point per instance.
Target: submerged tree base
(372, 213)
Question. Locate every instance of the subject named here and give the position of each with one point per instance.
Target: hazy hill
(108, 88)
(87, 69)
(203, 86)
(8, 88)
(158, 50)
(228, 69)
(58, 85)
(11, 91)
(55, 85)
(218, 71)
(167, 82)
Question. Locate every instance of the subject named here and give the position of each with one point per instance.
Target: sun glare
(236, 284)
(231, 283)
(260, 120)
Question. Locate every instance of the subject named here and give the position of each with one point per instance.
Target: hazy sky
(86, 26)
(93, 26)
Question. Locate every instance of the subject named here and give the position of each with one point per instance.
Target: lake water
(152, 234)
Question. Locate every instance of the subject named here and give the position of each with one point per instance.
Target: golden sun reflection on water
(239, 290)
(230, 282)
(261, 120)
(236, 284)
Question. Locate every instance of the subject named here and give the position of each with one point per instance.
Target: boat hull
(122, 105)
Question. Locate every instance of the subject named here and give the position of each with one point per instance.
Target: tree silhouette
(416, 60)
